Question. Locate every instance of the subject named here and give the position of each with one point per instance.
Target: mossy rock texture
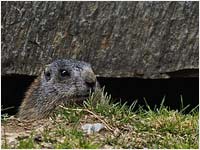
(119, 39)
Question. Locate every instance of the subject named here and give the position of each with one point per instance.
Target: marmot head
(64, 81)
(68, 80)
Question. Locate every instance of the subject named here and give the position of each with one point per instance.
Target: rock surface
(119, 39)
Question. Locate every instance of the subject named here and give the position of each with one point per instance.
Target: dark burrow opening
(122, 89)
(152, 92)
(13, 88)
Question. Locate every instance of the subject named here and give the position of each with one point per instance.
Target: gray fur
(52, 89)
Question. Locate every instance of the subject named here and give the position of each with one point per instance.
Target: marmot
(63, 81)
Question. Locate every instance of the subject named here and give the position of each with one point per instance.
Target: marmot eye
(64, 73)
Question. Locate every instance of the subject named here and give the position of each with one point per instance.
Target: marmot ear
(47, 74)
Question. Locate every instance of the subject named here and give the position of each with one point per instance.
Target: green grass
(157, 128)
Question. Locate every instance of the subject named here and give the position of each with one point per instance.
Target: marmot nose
(91, 83)
(89, 78)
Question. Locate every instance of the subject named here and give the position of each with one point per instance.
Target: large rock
(120, 39)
